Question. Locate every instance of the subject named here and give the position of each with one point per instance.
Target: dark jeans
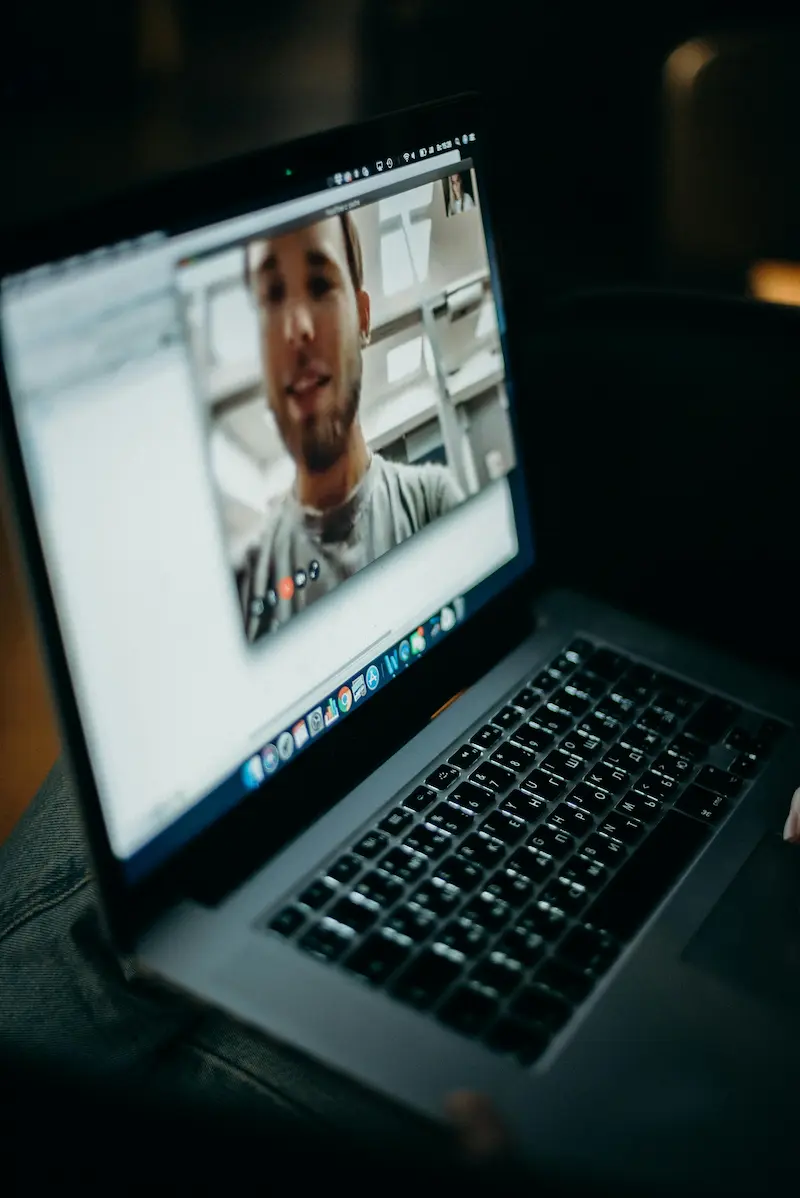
(64, 995)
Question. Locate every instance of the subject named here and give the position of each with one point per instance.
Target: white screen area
(115, 442)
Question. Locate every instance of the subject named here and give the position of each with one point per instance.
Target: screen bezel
(255, 829)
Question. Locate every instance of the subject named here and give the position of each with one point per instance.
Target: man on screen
(347, 505)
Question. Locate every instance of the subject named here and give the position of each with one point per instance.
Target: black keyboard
(498, 891)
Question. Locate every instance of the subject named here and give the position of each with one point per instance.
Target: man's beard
(324, 436)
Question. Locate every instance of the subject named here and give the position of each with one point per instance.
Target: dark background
(662, 455)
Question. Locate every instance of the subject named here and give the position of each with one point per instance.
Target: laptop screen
(272, 462)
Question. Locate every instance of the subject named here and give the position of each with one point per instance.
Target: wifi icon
(405, 156)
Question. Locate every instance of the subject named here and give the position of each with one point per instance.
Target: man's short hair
(352, 247)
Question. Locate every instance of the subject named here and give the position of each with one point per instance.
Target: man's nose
(299, 323)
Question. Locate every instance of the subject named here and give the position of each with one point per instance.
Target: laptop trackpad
(751, 939)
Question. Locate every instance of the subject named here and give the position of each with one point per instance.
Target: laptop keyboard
(497, 892)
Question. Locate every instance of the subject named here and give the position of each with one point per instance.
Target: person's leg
(65, 994)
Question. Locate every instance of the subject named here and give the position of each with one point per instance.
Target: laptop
(348, 772)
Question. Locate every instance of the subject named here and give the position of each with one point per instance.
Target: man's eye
(275, 293)
(319, 286)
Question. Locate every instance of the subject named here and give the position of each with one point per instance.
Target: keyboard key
(316, 895)
(677, 768)
(420, 799)
(679, 689)
(486, 736)
(450, 819)
(464, 757)
(603, 728)
(621, 701)
(539, 1005)
(607, 665)
(504, 827)
(741, 740)
(379, 888)
(468, 1010)
(377, 958)
(719, 781)
(372, 844)
(746, 766)
(523, 806)
(357, 916)
(659, 786)
(642, 680)
(588, 684)
(425, 840)
(586, 948)
(590, 798)
(552, 720)
(534, 738)
(439, 899)
(531, 864)
(565, 979)
(345, 868)
(771, 731)
(569, 897)
(455, 871)
(574, 705)
(678, 705)
(325, 941)
(463, 936)
(513, 757)
(563, 664)
(527, 698)
(607, 852)
(426, 979)
(580, 649)
(550, 840)
(395, 821)
(544, 682)
(642, 738)
(512, 1038)
(413, 922)
(564, 765)
(623, 757)
(510, 887)
(505, 718)
(471, 797)
(607, 777)
(687, 746)
(622, 827)
(492, 777)
(545, 919)
(489, 853)
(524, 945)
(644, 879)
(641, 807)
(443, 776)
(571, 819)
(713, 720)
(586, 872)
(403, 865)
(287, 921)
(487, 912)
(577, 744)
(664, 723)
(543, 785)
(499, 973)
(702, 804)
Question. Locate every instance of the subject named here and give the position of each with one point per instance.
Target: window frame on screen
(247, 836)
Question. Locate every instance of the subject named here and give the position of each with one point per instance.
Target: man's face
(312, 323)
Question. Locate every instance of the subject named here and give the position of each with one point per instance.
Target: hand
(481, 1134)
(791, 829)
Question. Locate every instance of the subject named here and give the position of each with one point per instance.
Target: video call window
(354, 385)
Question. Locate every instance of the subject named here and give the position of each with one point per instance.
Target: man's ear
(362, 302)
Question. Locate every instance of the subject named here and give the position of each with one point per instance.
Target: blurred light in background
(685, 64)
(776, 282)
